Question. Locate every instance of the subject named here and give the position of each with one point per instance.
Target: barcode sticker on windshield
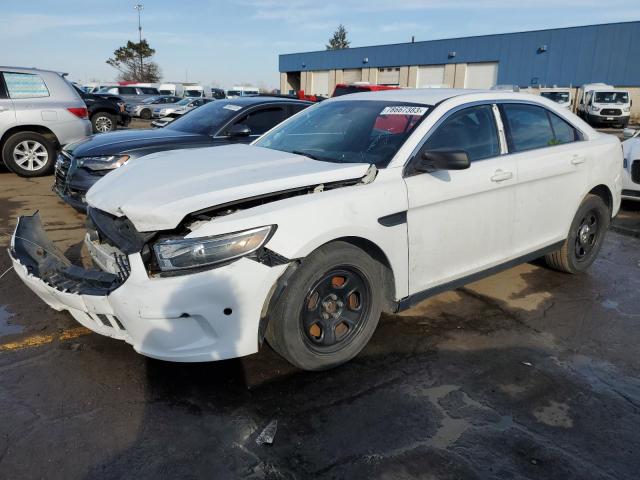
(235, 108)
(404, 110)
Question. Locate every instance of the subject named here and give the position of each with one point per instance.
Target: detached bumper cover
(205, 316)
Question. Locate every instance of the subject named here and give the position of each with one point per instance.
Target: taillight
(80, 112)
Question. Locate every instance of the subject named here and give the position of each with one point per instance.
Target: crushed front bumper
(204, 316)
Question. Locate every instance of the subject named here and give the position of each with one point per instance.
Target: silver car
(39, 112)
(164, 110)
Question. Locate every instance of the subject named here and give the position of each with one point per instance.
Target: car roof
(254, 100)
(28, 70)
(426, 96)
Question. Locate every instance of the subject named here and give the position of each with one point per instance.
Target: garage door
(481, 75)
(431, 76)
(352, 75)
(389, 76)
(320, 83)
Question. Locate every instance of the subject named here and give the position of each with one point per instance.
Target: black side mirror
(434, 160)
(239, 130)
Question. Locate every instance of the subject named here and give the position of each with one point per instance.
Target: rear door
(7, 110)
(552, 173)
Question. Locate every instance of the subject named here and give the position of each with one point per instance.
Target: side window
(295, 108)
(128, 91)
(262, 120)
(530, 127)
(472, 129)
(563, 131)
(25, 85)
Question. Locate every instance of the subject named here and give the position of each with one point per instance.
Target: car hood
(157, 191)
(124, 141)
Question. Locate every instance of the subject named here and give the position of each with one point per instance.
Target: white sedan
(364, 203)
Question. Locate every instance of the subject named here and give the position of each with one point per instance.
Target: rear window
(25, 85)
(530, 127)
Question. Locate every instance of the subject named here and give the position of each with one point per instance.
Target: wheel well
(376, 252)
(103, 110)
(30, 128)
(603, 192)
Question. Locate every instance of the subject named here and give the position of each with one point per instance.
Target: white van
(243, 92)
(175, 89)
(599, 104)
(562, 96)
(194, 90)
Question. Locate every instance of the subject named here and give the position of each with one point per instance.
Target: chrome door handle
(577, 159)
(500, 176)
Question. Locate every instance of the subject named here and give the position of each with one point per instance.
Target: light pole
(139, 7)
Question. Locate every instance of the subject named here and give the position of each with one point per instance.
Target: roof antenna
(413, 38)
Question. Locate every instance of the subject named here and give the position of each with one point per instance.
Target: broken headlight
(177, 254)
(105, 162)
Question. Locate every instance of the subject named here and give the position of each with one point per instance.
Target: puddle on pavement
(7, 327)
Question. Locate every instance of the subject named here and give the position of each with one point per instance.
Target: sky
(225, 43)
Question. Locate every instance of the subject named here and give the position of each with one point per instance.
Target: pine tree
(339, 39)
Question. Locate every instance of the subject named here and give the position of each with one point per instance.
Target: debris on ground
(268, 434)
(528, 364)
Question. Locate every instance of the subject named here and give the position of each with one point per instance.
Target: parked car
(172, 115)
(160, 111)
(561, 96)
(305, 236)
(145, 108)
(601, 104)
(39, 112)
(631, 165)
(359, 87)
(132, 95)
(105, 112)
(82, 164)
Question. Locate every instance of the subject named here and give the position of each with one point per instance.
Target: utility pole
(139, 7)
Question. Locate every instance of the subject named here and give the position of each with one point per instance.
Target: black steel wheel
(585, 238)
(335, 309)
(329, 309)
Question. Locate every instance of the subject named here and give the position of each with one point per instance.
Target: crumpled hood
(157, 191)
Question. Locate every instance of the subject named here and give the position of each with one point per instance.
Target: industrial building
(565, 57)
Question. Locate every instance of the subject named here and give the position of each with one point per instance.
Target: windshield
(559, 97)
(350, 131)
(149, 91)
(206, 120)
(185, 101)
(151, 100)
(166, 92)
(193, 93)
(611, 97)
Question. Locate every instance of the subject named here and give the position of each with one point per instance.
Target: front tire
(29, 154)
(145, 114)
(586, 236)
(103, 122)
(330, 309)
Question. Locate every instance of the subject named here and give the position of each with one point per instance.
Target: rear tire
(29, 154)
(145, 114)
(586, 236)
(330, 309)
(103, 122)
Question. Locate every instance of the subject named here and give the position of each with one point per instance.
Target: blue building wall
(607, 53)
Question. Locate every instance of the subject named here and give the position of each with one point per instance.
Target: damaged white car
(360, 204)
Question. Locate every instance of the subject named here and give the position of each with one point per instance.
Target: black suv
(106, 112)
(238, 120)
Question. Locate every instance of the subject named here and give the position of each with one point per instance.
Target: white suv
(364, 203)
(39, 112)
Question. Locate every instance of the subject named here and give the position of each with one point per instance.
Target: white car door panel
(552, 174)
(460, 221)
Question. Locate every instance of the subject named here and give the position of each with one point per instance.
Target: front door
(461, 222)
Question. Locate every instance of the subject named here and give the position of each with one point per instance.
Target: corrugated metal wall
(598, 53)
